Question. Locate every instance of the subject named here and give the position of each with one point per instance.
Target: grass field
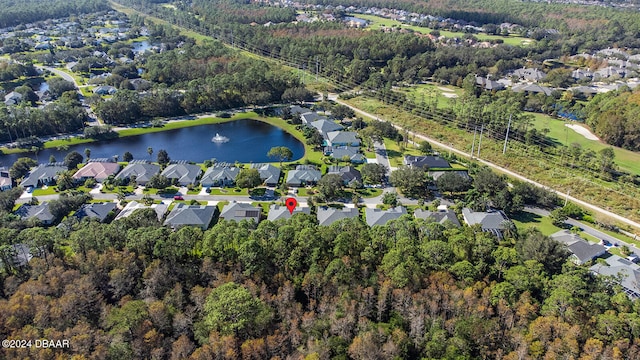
(626, 160)
(424, 94)
(199, 38)
(377, 22)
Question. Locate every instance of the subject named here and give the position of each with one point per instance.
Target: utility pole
(566, 199)
(504, 149)
(317, 68)
(475, 129)
(480, 139)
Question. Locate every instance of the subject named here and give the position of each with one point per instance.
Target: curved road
(622, 219)
(62, 74)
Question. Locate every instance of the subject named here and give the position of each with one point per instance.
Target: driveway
(587, 229)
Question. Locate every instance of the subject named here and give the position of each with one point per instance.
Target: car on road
(178, 197)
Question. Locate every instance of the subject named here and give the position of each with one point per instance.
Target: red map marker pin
(291, 204)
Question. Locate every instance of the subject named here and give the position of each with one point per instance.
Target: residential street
(586, 228)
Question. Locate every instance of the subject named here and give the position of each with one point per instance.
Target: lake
(249, 141)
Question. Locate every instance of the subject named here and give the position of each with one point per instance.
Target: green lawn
(50, 190)
(524, 220)
(377, 22)
(425, 93)
(558, 132)
(229, 191)
(369, 193)
(396, 156)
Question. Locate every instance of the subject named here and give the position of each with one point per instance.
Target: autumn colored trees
(409, 289)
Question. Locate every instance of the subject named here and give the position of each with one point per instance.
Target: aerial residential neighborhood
(278, 179)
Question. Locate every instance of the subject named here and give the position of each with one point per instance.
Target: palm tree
(510, 230)
(87, 153)
(150, 151)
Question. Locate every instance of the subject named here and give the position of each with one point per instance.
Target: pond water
(140, 46)
(44, 86)
(249, 141)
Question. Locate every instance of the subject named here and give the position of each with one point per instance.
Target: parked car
(178, 197)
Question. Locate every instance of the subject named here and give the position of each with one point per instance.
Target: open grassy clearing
(626, 159)
(190, 33)
(425, 94)
(377, 22)
(525, 220)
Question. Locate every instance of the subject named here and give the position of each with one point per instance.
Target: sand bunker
(582, 131)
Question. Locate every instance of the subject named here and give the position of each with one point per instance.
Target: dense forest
(65, 115)
(615, 117)
(197, 79)
(410, 289)
(28, 11)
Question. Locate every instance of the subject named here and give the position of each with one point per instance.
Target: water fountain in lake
(219, 139)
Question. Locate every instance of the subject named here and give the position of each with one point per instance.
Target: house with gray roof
(269, 174)
(45, 174)
(426, 161)
(96, 170)
(381, 217)
(585, 91)
(626, 273)
(141, 171)
(132, 206)
(220, 176)
(277, 212)
(342, 138)
(308, 118)
(343, 152)
(295, 109)
(435, 175)
(98, 211)
(236, 211)
(609, 71)
(328, 215)
(530, 74)
(532, 89)
(183, 174)
(190, 215)
(21, 254)
(6, 182)
(349, 174)
(40, 212)
(12, 98)
(582, 251)
(580, 74)
(493, 222)
(488, 84)
(443, 216)
(105, 90)
(303, 175)
(325, 126)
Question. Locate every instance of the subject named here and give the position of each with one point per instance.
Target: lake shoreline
(173, 125)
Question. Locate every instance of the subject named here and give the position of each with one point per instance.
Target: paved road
(66, 76)
(587, 229)
(62, 74)
(587, 205)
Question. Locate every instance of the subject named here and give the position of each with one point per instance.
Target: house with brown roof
(96, 170)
